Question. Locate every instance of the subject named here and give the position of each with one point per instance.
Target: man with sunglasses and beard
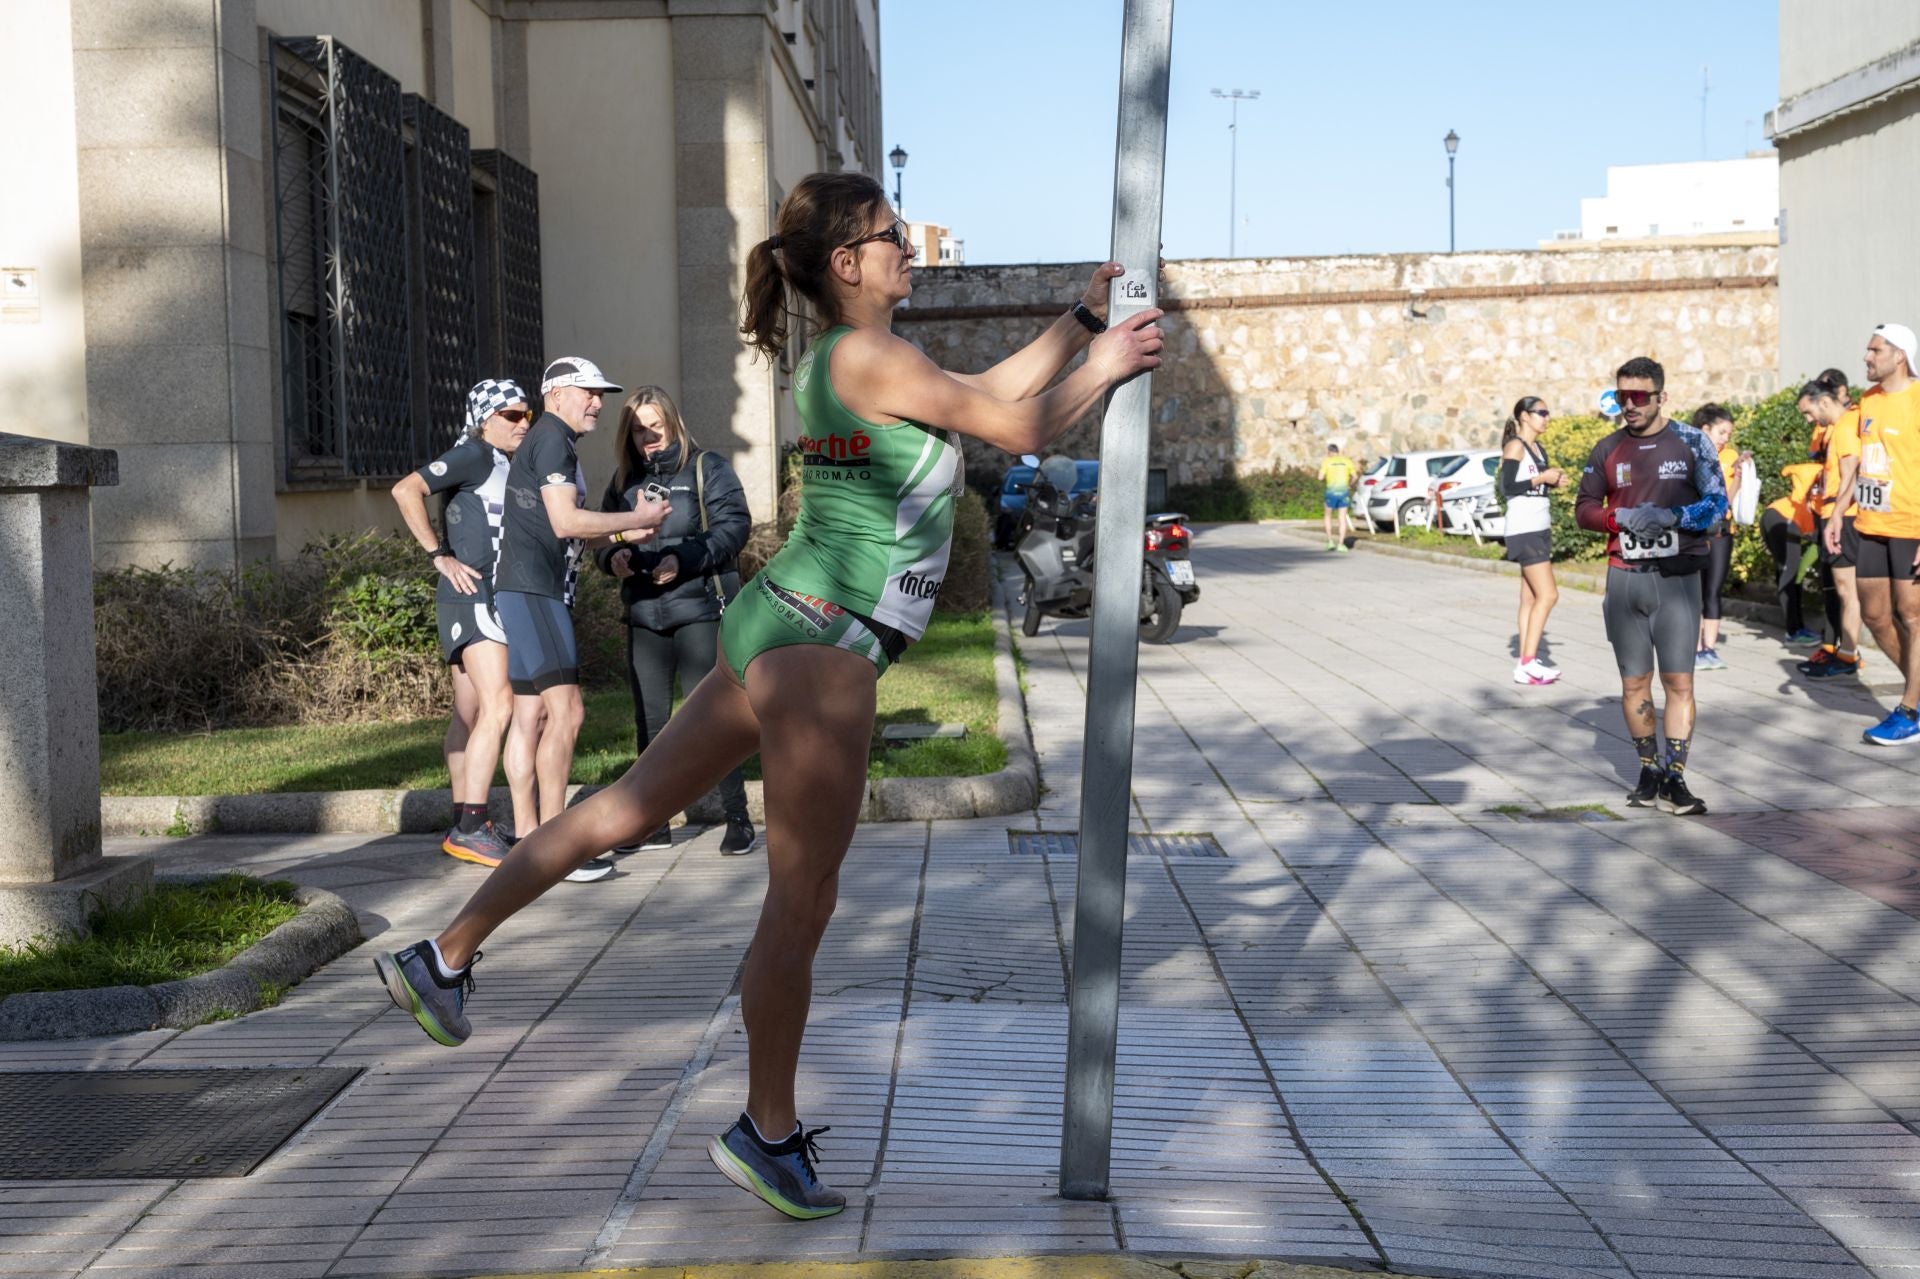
(1654, 487)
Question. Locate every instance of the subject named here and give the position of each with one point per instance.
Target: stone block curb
(1096, 1266)
(325, 929)
(1014, 789)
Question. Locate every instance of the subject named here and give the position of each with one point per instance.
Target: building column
(723, 208)
(175, 278)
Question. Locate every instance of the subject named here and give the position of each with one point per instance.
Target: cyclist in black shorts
(1654, 488)
(473, 475)
(539, 566)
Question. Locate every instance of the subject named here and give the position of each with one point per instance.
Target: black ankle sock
(472, 817)
(753, 1131)
(1649, 749)
(1677, 748)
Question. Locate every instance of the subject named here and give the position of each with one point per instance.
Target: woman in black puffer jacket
(673, 588)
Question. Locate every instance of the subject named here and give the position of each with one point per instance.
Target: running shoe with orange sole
(482, 847)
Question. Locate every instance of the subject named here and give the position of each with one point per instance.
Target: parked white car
(1364, 486)
(1400, 492)
(1465, 491)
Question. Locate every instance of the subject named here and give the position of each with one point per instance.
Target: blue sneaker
(1835, 667)
(782, 1176)
(1897, 729)
(1802, 638)
(1709, 660)
(414, 983)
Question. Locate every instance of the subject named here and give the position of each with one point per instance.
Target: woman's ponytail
(764, 322)
(1511, 431)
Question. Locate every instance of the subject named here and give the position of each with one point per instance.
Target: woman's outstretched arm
(1026, 372)
(879, 376)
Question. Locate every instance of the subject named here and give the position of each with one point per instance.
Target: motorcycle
(1055, 547)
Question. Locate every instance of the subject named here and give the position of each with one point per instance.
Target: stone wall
(1270, 358)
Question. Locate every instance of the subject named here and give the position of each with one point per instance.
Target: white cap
(1901, 336)
(572, 370)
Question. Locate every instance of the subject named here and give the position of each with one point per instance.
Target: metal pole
(1449, 204)
(1233, 179)
(1093, 1025)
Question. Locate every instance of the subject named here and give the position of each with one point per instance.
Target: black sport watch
(1088, 320)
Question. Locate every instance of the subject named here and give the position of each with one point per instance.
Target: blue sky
(1007, 112)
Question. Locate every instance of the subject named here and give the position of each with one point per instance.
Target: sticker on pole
(1609, 404)
(1131, 292)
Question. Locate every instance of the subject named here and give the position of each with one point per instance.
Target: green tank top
(876, 505)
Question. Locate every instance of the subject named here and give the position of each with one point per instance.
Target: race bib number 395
(1641, 548)
(1874, 495)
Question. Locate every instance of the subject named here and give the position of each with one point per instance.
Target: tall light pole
(1453, 144)
(899, 158)
(1236, 97)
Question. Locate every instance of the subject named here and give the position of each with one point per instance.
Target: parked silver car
(1464, 493)
(1400, 493)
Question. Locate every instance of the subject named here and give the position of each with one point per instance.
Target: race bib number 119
(1874, 495)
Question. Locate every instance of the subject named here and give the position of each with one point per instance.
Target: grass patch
(945, 678)
(1445, 543)
(178, 930)
(1562, 813)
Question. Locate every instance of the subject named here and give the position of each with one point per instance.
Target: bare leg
(466, 705)
(714, 732)
(1537, 579)
(1848, 588)
(553, 757)
(1526, 616)
(1679, 709)
(1636, 703)
(522, 743)
(486, 664)
(1876, 614)
(815, 707)
(1326, 521)
(1906, 613)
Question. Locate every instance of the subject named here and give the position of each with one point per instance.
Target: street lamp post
(1453, 144)
(1236, 97)
(899, 158)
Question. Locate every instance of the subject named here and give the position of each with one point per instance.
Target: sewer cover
(1065, 843)
(154, 1123)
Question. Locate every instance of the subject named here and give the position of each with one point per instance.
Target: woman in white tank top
(1526, 479)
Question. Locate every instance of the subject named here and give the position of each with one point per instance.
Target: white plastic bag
(1746, 503)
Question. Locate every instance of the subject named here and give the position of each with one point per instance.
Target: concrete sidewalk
(1390, 1027)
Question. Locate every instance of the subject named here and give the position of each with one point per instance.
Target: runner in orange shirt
(1786, 526)
(1827, 404)
(1887, 490)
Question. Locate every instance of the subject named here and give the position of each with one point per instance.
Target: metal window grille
(513, 310)
(440, 251)
(340, 185)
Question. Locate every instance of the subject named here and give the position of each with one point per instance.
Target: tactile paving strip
(154, 1123)
(1066, 843)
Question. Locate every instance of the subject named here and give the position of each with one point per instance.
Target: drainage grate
(155, 1123)
(1066, 843)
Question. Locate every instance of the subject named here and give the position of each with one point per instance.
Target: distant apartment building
(1848, 132)
(1706, 198)
(935, 245)
(270, 243)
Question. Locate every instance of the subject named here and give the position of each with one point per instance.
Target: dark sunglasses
(515, 415)
(896, 235)
(1541, 412)
(1639, 399)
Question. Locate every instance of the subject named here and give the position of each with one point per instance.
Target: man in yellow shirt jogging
(1336, 476)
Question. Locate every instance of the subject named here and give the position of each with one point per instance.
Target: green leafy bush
(1282, 493)
(388, 619)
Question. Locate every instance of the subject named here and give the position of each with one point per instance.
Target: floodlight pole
(1106, 778)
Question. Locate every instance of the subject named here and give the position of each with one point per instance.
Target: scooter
(1055, 547)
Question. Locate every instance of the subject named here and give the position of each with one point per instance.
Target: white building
(935, 245)
(1667, 201)
(1848, 131)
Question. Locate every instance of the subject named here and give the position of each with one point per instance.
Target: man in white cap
(540, 544)
(1885, 478)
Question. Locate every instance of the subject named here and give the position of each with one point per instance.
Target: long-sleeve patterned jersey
(1675, 467)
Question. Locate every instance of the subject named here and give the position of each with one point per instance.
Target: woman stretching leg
(804, 642)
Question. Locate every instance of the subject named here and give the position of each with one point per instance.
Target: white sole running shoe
(597, 869)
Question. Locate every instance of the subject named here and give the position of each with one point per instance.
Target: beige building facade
(1848, 132)
(272, 241)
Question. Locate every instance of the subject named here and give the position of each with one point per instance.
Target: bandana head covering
(489, 397)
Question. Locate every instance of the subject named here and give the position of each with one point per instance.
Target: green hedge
(1283, 493)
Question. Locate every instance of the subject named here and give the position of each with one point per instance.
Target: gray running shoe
(782, 1176)
(414, 983)
(483, 847)
(598, 868)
